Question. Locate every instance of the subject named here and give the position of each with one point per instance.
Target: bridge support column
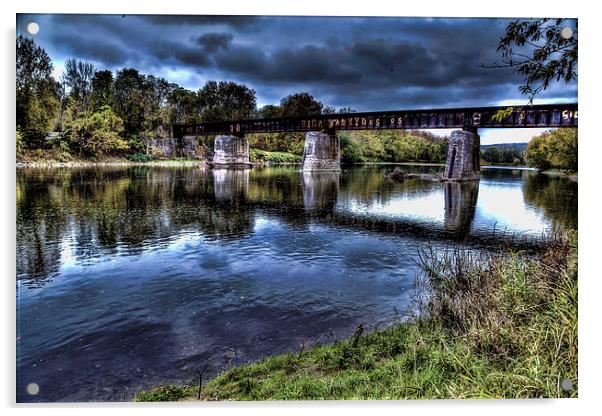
(231, 151)
(322, 152)
(463, 156)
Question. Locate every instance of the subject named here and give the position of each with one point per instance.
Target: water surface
(133, 277)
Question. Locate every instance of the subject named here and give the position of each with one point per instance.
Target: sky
(366, 63)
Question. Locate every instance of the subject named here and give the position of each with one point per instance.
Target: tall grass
(488, 326)
(263, 156)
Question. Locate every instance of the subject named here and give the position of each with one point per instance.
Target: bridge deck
(551, 115)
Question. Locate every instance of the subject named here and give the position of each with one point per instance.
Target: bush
(98, 133)
(553, 149)
(65, 157)
(167, 393)
(351, 151)
(262, 156)
(140, 157)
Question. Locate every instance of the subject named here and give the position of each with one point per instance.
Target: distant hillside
(506, 146)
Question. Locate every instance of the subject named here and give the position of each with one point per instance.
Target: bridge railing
(551, 115)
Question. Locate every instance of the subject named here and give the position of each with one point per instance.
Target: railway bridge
(322, 147)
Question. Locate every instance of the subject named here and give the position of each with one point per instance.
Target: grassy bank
(500, 326)
(263, 156)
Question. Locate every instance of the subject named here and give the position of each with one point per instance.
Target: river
(132, 277)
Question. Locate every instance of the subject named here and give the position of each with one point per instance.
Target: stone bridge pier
(463, 156)
(322, 151)
(231, 150)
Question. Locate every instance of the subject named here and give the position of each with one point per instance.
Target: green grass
(263, 156)
(504, 326)
(167, 393)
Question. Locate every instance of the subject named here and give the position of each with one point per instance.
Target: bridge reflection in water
(95, 213)
(460, 204)
(230, 184)
(320, 190)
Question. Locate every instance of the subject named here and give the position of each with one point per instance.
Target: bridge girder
(541, 116)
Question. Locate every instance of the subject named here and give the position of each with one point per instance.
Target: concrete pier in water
(231, 151)
(322, 152)
(463, 156)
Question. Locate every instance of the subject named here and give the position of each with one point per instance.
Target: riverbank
(107, 163)
(561, 173)
(504, 326)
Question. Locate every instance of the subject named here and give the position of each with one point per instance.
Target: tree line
(93, 112)
(554, 149)
(96, 113)
(503, 155)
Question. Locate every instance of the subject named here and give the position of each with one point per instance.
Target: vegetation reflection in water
(131, 277)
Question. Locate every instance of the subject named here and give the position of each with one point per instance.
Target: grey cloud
(366, 63)
(237, 22)
(212, 42)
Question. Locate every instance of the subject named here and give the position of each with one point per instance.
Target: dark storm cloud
(366, 63)
(237, 22)
(375, 63)
(88, 49)
(212, 42)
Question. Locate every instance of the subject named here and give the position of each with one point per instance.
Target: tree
(128, 95)
(492, 154)
(98, 134)
(270, 111)
(562, 149)
(542, 50)
(328, 109)
(351, 151)
(155, 94)
(226, 101)
(37, 93)
(536, 153)
(184, 106)
(102, 89)
(299, 105)
(78, 81)
(553, 149)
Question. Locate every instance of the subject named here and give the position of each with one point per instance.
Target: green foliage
(391, 146)
(301, 104)
(351, 150)
(77, 78)
(503, 114)
(270, 111)
(140, 157)
(128, 100)
(536, 49)
(37, 99)
(278, 142)
(98, 133)
(102, 89)
(563, 149)
(556, 149)
(493, 154)
(167, 393)
(262, 156)
(226, 101)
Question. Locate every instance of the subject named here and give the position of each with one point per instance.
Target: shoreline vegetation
(497, 325)
(281, 159)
